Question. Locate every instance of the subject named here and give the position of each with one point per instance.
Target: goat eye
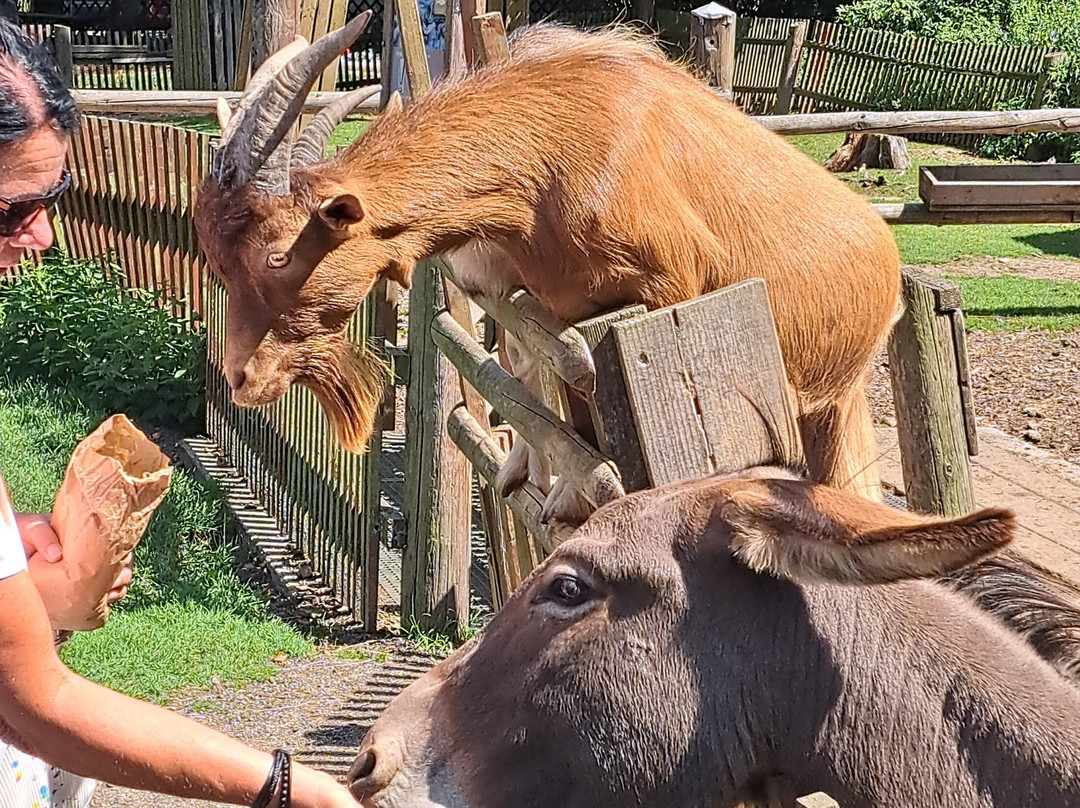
(567, 590)
(277, 260)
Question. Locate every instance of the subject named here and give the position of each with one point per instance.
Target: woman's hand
(316, 789)
(38, 537)
(120, 586)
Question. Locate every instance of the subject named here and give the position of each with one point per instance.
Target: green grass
(927, 244)
(1012, 304)
(154, 652)
(345, 134)
(187, 617)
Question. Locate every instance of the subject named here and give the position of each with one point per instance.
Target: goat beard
(349, 382)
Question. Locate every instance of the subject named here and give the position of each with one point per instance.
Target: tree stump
(866, 150)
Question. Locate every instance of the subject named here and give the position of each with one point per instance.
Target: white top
(12, 554)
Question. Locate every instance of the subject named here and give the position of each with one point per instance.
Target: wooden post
(412, 47)
(438, 496)
(712, 43)
(1050, 61)
(793, 48)
(490, 38)
(435, 568)
(387, 49)
(65, 63)
(275, 28)
(930, 421)
(470, 9)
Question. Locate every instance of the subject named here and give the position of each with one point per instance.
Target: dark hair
(20, 115)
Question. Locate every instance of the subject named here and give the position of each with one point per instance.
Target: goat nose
(236, 377)
(373, 769)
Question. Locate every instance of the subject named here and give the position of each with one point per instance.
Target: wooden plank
(490, 36)
(62, 53)
(929, 410)
(412, 47)
(470, 9)
(608, 407)
(793, 50)
(707, 386)
(918, 213)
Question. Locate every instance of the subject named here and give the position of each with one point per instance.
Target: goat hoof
(565, 505)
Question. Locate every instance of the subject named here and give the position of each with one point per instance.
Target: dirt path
(1026, 383)
(319, 709)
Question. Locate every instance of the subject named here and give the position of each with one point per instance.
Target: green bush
(75, 325)
(1052, 24)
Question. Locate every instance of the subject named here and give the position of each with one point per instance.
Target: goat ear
(224, 112)
(393, 104)
(340, 212)
(812, 533)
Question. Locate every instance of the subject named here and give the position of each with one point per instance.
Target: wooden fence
(109, 60)
(843, 68)
(131, 202)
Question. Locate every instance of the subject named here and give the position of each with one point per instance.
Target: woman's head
(37, 116)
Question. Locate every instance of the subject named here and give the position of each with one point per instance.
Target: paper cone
(115, 480)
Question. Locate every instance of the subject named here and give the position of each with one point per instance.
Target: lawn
(345, 134)
(1012, 304)
(927, 244)
(77, 348)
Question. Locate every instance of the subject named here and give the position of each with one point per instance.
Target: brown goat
(589, 170)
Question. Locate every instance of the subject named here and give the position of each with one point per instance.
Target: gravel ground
(1025, 383)
(319, 709)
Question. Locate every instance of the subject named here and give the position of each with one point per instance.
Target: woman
(45, 709)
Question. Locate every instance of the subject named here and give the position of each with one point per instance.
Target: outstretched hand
(37, 535)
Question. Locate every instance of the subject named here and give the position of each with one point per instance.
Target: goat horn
(256, 145)
(311, 145)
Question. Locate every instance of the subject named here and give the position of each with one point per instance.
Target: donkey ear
(812, 533)
(340, 212)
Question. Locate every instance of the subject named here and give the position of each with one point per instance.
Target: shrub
(74, 324)
(1053, 24)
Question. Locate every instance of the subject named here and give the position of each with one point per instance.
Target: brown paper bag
(115, 480)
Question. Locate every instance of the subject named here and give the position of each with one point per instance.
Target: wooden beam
(929, 407)
(918, 213)
(487, 458)
(793, 49)
(562, 346)
(194, 102)
(965, 122)
(412, 48)
(65, 63)
(470, 9)
(590, 472)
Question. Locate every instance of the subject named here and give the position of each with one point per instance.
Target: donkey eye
(568, 590)
(277, 260)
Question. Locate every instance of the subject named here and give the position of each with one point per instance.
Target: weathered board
(707, 386)
(1045, 185)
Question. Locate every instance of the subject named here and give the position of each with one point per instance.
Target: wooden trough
(1049, 186)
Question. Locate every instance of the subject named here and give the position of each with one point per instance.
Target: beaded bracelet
(280, 777)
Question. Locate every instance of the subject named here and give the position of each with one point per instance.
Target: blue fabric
(434, 26)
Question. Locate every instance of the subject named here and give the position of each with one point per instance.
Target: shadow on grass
(1022, 311)
(1062, 243)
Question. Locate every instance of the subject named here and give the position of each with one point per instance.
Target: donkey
(702, 643)
(589, 170)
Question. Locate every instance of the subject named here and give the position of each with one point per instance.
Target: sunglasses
(15, 214)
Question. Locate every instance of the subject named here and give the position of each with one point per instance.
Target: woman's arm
(89, 730)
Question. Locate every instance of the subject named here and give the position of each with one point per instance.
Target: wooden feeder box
(1048, 186)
